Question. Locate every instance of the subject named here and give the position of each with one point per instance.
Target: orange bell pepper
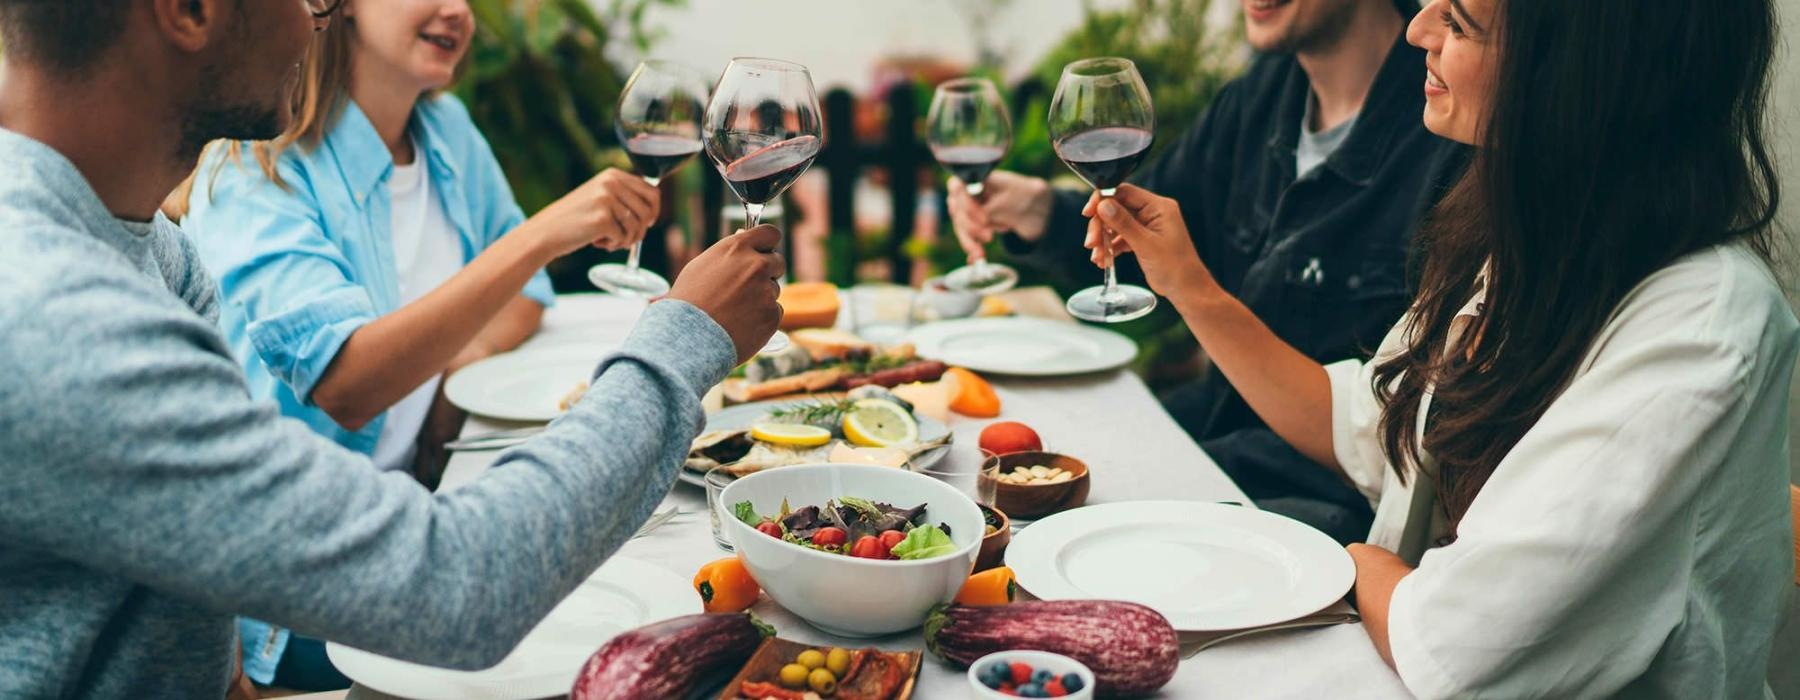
(971, 395)
(992, 587)
(726, 586)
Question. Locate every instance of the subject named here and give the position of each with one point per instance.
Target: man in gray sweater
(138, 481)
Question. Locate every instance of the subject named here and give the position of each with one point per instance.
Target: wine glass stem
(1109, 289)
(637, 249)
(752, 215)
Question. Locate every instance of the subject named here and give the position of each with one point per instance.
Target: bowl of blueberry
(1030, 674)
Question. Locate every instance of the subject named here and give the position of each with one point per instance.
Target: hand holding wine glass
(1101, 124)
(763, 130)
(969, 132)
(658, 122)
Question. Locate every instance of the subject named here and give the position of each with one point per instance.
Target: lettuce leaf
(747, 513)
(924, 542)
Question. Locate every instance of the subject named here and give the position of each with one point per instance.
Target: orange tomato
(992, 587)
(971, 395)
(726, 586)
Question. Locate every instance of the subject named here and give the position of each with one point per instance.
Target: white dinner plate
(744, 415)
(523, 384)
(1205, 566)
(623, 595)
(1026, 347)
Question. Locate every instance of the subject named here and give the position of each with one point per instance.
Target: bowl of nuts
(1035, 484)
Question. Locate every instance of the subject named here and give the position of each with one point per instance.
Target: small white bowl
(1056, 663)
(843, 595)
(949, 303)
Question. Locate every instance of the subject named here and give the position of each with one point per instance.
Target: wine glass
(1101, 126)
(762, 131)
(968, 130)
(658, 122)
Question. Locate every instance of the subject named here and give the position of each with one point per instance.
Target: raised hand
(736, 282)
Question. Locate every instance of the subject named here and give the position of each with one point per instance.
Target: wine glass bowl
(762, 130)
(658, 124)
(969, 130)
(1101, 125)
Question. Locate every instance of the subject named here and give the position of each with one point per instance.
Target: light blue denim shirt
(304, 264)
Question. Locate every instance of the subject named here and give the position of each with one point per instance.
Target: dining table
(1135, 451)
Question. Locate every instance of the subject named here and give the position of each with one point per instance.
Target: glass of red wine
(763, 130)
(658, 122)
(1101, 124)
(969, 131)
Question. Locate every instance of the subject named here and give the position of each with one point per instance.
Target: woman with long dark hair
(1577, 436)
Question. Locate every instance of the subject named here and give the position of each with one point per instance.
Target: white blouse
(1637, 540)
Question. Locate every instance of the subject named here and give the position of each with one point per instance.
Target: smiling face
(1461, 62)
(414, 44)
(1291, 26)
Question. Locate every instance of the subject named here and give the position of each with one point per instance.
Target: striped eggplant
(1131, 649)
(669, 658)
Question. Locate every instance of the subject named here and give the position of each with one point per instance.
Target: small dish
(993, 546)
(1057, 664)
(1036, 500)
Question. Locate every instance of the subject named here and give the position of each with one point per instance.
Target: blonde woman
(376, 246)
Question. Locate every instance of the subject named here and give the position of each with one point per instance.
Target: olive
(822, 681)
(794, 675)
(811, 659)
(838, 661)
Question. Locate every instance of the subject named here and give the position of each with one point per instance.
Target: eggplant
(669, 659)
(1131, 649)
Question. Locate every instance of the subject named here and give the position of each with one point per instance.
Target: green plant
(539, 86)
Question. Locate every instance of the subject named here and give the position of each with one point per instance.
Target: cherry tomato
(768, 527)
(891, 538)
(829, 537)
(869, 547)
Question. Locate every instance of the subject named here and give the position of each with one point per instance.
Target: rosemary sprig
(816, 412)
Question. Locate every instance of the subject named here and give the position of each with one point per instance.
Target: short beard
(1321, 34)
(208, 121)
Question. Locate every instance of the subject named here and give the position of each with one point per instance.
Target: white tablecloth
(1135, 451)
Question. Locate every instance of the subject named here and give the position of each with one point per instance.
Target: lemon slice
(792, 435)
(880, 423)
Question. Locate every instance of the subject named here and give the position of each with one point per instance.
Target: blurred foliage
(539, 86)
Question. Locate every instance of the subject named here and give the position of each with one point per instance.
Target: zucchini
(669, 659)
(1131, 649)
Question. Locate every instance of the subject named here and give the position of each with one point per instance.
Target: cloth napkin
(1339, 613)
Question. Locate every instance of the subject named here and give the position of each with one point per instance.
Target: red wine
(656, 155)
(1104, 157)
(971, 164)
(766, 173)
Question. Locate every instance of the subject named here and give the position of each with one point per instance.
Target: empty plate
(525, 384)
(1027, 347)
(1205, 566)
(623, 595)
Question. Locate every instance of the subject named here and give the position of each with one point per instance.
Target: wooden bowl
(1038, 500)
(993, 547)
(765, 666)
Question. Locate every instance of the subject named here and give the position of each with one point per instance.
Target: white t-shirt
(427, 251)
(1636, 541)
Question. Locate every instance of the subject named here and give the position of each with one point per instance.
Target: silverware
(658, 520)
(495, 440)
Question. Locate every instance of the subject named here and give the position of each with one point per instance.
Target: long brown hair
(319, 98)
(1623, 135)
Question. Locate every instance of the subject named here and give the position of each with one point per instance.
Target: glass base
(627, 281)
(983, 279)
(777, 343)
(1125, 303)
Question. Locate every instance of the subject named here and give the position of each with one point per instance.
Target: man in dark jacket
(1303, 184)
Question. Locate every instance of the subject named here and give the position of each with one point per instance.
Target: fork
(657, 520)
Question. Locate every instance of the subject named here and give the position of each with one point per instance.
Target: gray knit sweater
(145, 499)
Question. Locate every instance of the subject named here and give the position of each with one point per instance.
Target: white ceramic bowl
(947, 302)
(843, 595)
(1057, 663)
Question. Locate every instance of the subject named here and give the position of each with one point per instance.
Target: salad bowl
(854, 596)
